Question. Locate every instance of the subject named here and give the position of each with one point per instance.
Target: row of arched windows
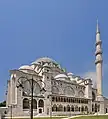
(69, 100)
(26, 103)
(69, 108)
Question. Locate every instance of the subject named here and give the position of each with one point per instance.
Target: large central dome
(45, 60)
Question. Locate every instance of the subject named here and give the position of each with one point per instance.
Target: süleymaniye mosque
(56, 92)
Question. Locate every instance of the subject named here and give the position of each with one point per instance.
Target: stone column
(37, 106)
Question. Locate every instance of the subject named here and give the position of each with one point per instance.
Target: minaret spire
(97, 27)
(98, 61)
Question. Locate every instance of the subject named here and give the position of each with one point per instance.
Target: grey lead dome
(44, 59)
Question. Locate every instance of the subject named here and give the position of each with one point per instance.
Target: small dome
(60, 76)
(70, 74)
(44, 59)
(26, 67)
(73, 78)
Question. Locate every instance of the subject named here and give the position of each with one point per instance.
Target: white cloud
(92, 74)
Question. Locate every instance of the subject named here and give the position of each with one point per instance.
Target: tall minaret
(98, 61)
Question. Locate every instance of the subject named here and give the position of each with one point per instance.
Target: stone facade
(66, 94)
(3, 111)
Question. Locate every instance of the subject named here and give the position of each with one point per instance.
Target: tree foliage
(3, 104)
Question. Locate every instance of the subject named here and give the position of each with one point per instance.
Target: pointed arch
(60, 108)
(69, 91)
(68, 108)
(27, 88)
(41, 103)
(72, 108)
(86, 108)
(82, 108)
(96, 107)
(79, 109)
(64, 109)
(34, 104)
(92, 107)
(54, 108)
(55, 90)
(76, 108)
(93, 96)
(80, 93)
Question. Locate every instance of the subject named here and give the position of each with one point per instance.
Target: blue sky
(61, 29)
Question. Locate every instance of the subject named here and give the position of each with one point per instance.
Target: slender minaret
(98, 61)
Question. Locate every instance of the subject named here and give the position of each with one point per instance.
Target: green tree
(3, 104)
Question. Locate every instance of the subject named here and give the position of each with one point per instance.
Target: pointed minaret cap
(97, 27)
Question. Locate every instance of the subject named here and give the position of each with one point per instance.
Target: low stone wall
(3, 111)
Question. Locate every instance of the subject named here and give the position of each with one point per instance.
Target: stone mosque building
(64, 93)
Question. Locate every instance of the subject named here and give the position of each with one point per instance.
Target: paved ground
(56, 117)
(79, 116)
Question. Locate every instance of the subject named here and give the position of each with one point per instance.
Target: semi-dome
(25, 67)
(60, 76)
(44, 59)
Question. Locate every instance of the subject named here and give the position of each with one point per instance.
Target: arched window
(55, 90)
(64, 109)
(79, 101)
(41, 103)
(95, 107)
(69, 100)
(64, 99)
(34, 104)
(60, 108)
(72, 108)
(80, 94)
(86, 108)
(93, 96)
(57, 108)
(56, 99)
(98, 108)
(76, 108)
(92, 108)
(68, 108)
(73, 100)
(54, 108)
(79, 109)
(53, 98)
(25, 103)
(61, 99)
(82, 109)
(106, 110)
(27, 88)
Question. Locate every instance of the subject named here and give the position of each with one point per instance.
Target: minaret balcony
(98, 61)
(99, 42)
(98, 52)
